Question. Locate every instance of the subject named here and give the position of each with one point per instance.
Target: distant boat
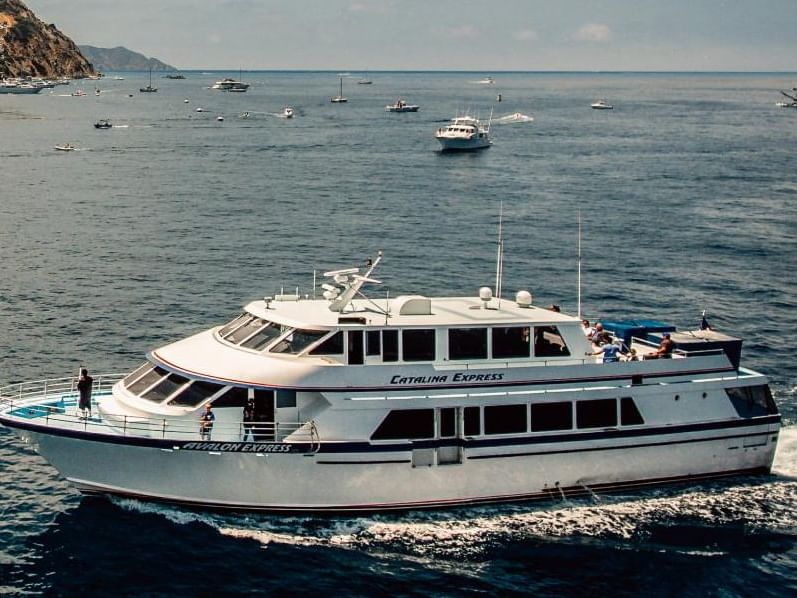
(230, 84)
(65, 147)
(118, 78)
(365, 80)
(149, 88)
(78, 93)
(287, 112)
(103, 124)
(16, 87)
(486, 81)
(174, 76)
(601, 105)
(401, 106)
(464, 133)
(339, 99)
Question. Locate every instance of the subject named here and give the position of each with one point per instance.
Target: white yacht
(464, 133)
(229, 84)
(359, 403)
(401, 106)
(19, 87)
(601, 105)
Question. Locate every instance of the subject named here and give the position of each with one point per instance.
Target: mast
(499, 266)
(579, 264)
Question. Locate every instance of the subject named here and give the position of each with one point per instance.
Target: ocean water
(171, 220)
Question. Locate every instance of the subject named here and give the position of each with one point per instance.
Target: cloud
(594, 32)
(525, 35)
(462, 31)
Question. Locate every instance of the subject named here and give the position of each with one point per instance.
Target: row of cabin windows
(155, 384)
(419, 424)
(417, 344)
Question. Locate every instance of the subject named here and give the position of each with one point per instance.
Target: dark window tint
(406, 424)
(165, 388)
(511, 342)
(373, 342)
(234, 397)
(331, 346)
(549, 343)
(237, 321)
(147, 380)
(448, 422)
(297, 341)
(390, 345)
(596, 414)
(505, 419)
(418, 345)
(551, 416)
(286, 398)
(629, 414)
(356, 347)
(752, 401)
(472, 421)
(137, 373)
(467, 343)
(196, 393)
(246, 329)
(263, 336)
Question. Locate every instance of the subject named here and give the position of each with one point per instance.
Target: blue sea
(167, 223)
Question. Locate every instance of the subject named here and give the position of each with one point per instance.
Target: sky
(471, 35)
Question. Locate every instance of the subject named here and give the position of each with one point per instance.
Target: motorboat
(103, 124)
(287, 112)
(464, 133)
(486, 81)
(65, 147)
(339, 99)
(359, 403)
(78, 93)
(601, 105)
(17, 87)
(174, 76)
(229, 84)
(401, 106)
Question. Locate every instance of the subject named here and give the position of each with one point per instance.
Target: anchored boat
(348, 403)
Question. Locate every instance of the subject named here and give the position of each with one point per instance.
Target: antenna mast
(579, 264)
(499, 266)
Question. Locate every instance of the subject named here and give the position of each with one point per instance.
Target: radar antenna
(348, 281)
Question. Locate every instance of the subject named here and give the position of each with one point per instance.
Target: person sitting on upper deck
(665, 349)
(611, 351)
(589, 331)
(601, 337)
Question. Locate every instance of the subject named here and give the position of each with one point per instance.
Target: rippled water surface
(168, 222)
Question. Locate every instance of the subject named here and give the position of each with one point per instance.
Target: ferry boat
(464, 133)
(229, 84)
(367, 404)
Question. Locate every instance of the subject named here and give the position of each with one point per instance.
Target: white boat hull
(229, 475)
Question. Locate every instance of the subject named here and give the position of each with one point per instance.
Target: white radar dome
(523, 299)
(485, 293)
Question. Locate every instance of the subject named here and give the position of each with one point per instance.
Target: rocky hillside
(29, 47)
(122, 59)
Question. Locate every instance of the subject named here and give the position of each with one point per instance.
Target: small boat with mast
(339, 99)
(149, 88)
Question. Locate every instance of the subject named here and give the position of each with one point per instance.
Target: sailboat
(149, 88)
(339, 99)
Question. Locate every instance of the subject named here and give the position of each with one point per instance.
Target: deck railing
(53, 403)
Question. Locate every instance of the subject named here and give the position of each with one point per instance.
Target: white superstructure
(411, 402)
(464, 133)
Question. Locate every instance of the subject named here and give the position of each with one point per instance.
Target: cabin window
(297, 341)
(373, 342)
(448, 422)
(600, 413)
(752, 401)
(286, 398)
(418, 345)
(546, 417)
(244, 330)
(472, 421)
(137, 373)
(234, 397)
(390, 345)
(196, 394)
(511, 342)
(356, 356)
(549, 343)
(629, 414)
(505, 419)
(331, 346)
(236, 321)
(147, 380)
(411, 424)
(467, 343)
(165, 388)
(263, 336)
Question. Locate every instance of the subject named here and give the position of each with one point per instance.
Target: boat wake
(516, 117)
(758, 504)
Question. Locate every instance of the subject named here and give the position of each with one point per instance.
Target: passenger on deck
(589, 331)
(249, 419)
(601, 337)
(206, 422)
(554, 307)
(665, 348)
(84, 384)
(611, 351)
